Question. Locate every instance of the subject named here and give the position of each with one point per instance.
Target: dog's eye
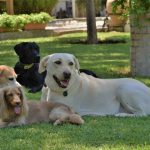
(57, 62)
(18, 94)
(11, 79)
(70, 63)
(10, 95)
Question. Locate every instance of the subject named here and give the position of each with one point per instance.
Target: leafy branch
(136, 7)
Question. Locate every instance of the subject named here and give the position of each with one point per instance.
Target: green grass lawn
(98, 133)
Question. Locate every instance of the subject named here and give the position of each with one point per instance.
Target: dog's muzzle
(17, 110)
(63, 83)
(17, 107)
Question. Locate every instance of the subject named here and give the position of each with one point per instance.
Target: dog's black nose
(67, 75)
(17, 103)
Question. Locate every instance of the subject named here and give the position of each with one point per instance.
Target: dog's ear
(43, 64)
(23, 98)
(2, 98)
(18, 49)
(1, 71)
(77, 65)
(36, 46)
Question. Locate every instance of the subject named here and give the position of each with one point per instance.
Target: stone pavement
(60, 26)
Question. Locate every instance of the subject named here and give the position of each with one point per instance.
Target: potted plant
(11, 22)
(115, 14)
(23, 22)
(36, 21)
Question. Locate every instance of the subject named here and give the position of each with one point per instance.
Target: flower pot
(3, 29)
(35, 26)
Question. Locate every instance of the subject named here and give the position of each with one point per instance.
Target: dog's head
(61, 70)
(28, 52)
(12, 101)
(7, 75)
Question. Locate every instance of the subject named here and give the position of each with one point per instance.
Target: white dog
(93, 96)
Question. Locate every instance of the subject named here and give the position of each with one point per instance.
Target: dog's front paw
(124, 115)
(57, 122)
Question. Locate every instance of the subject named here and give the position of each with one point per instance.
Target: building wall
(80, 11)
(61, 9)
(60, 5)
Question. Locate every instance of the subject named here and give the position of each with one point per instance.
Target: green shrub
(33, 6)
(39, 18)
(137, 8)
(17, 22)
(7, 21)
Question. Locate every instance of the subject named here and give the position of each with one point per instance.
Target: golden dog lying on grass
(15, 110)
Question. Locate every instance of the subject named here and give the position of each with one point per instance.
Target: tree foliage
(136, 7)
(30, 6)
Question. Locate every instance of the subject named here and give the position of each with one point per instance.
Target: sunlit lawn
(108, 61)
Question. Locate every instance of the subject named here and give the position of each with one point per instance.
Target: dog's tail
(75, 119)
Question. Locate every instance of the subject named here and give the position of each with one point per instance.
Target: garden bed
(26, 34)
(24, 22)
(35, 26)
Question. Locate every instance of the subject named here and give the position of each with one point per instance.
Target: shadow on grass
(106, 41)
(102, 39)
(90, 56)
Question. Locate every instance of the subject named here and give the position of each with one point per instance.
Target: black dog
(89, 72)
(27, 67)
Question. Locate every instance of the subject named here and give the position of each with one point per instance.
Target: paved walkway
(74, 25)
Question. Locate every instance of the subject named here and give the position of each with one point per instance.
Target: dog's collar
(65, 93)
(26, 66)
(74, 87)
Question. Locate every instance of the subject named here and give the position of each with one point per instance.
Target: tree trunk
(140, 48)
(10, 7)
(91, 22)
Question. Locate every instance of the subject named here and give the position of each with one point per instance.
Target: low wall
(26, 34)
